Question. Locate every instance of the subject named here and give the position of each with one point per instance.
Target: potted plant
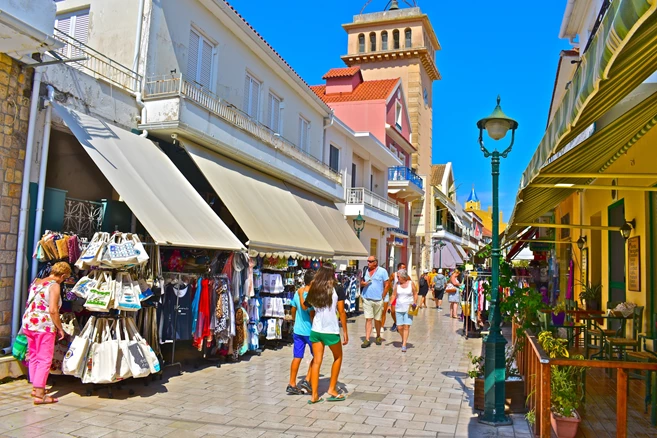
(514, 385)
(591, 295)
(567, 388)
(559, 313)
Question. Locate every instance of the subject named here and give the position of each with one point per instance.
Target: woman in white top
(405, 295)
(325, 331)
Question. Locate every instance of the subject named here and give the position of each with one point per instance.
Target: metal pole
(495, 363)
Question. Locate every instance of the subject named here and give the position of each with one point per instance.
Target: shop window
(408, 36)
(251, 96)
(200, 59)
(334, 158)
(361, 43)
(384, 40)
(395, 39)
(304, 134)
(372, 42)
(75, 25)
(274, 109)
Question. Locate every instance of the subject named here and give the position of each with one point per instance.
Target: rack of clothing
(475, 307)
(350, 282)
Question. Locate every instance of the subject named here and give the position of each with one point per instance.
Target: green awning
(621, 56)
(593, 155)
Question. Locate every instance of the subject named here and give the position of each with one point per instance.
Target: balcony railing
(398, 231)
(404, 174)
(452, 230)
(361, 195)
(97, 65)
(176, 85)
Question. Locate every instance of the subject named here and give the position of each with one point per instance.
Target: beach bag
(93, 252)
(133, 353)
(128, 297)
(120, 252)
(19, 347)
(100, 298)
(85, 284)
(75, 358)
(123, 370)
(149, 354)
(103, 355)
(142, 255)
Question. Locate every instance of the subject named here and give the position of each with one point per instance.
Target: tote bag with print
(149, 354)
(75, 358)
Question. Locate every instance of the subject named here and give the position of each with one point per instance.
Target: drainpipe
(142, 107)
(135, 66)
(41, 193)
(24, 206)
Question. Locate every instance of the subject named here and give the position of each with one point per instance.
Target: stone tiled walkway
(424, 392)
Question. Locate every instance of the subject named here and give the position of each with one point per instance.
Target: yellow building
(474, 205)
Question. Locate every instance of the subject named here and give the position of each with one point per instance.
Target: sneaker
(393, 328)
(293, 390)
(378, 340)
(366, 343)
(305, 385)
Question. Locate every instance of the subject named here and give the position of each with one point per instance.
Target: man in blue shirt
(374, 285)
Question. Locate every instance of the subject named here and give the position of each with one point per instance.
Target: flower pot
(565, 427)
(592, 305)
(558, 318)
(514, 389)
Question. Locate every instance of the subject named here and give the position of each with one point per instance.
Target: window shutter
(274, 112)
(81, 30)
(205, 77)
(247, 93)
(192, 59)
(255, 98)
(64, 25)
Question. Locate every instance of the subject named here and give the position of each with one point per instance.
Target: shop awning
(448, 257)
(331, 223)
(461, 252)
(264, 208)
(522, 243)
(593, 155)
(153, 188)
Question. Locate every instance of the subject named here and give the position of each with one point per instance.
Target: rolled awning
(331, 223)
(449, 258)
(264, 208)
(152, 187)
(461, 252)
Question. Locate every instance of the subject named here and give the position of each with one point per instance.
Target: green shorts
(327, 339)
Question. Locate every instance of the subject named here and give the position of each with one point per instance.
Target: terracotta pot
(514, 391)
(565, 427)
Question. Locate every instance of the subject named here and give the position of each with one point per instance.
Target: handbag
(92, 253)
(19, 347)
(62, 247)
(149, 354)
(128, 299)
(413, 310)
(450, 288)
(132, 352)
(101, 297)
(75, 359)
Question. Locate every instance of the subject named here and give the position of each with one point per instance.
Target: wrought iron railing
(360, 195)
(404, 174)
(172, 85)
(83, 218)
(96, 64)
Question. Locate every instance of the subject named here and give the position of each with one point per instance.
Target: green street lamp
(496, 125)
(440, 245)
(359, 224)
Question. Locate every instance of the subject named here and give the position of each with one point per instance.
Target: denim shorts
(403, 318)
(300, 343)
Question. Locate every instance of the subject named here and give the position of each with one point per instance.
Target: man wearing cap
(439, 283)
(373, 287)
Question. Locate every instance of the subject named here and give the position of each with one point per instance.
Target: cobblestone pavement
(424, 392)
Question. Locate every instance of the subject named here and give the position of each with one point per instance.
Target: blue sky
(506, 47)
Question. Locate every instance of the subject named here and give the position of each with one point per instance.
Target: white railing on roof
(97, 65)
(172, 85)
(362, 196)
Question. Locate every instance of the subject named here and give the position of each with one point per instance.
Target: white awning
(461, 252)
(264, 208)
(152, 187)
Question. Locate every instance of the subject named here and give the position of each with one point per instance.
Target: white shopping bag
(104, 356)
(128, 299)
(93, 252)
(100, 297)
(75, 359)
(149, 354)
(123, 370)
(132, 351)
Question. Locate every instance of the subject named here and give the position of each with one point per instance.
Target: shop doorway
(595, 252)
(652, 257)
(616, 253)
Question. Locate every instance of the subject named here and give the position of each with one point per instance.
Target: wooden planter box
(515, 395)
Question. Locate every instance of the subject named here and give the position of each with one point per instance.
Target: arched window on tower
(395, 39)
(372, 42)
(384, 40)
(361, 43)
(408, 37)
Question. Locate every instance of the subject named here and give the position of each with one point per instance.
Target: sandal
(310, 402)
(45, 400)
(336, 398)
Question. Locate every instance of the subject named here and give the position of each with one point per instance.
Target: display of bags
(127, 293)
(75, 359)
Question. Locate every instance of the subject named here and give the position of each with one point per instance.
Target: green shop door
(616, 253)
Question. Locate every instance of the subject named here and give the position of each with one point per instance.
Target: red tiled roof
(368, 90)
(344, 72)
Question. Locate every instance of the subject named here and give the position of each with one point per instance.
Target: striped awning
(593, 155)
(621, 56)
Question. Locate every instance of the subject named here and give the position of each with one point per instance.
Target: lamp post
(496, 125)
(440, 244)
(359, 224)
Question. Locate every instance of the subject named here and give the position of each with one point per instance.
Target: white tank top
(404, 297)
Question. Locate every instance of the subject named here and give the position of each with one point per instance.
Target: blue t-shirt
(374, 291)
(302, 322)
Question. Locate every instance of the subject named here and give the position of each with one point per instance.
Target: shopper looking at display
(40, 325)
(302, 315)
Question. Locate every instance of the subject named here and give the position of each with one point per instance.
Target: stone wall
(15, 90)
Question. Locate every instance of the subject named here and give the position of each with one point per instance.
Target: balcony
(398, 232)
(375, 209)
(453, 235)
(177, 106)
(404, 184)
(26, 27)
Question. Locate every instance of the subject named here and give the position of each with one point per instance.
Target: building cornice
(422, 53)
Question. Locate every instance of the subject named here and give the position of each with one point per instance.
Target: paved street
(424, 392)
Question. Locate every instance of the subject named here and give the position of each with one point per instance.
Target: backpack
(439, 282)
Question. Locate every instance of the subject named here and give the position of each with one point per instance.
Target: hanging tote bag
(75, 358)
(123, 370)
(120, 251)
(100, 297)
(85, 284)
(128, 300)
(95, 340)
(140, 251)
(104, 357)
(132, 352)
(92, 253)
(149, 354)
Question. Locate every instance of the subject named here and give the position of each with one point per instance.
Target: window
(384, 40)
(334, 158)
(76, 25)
(274, 113)
(395, 39)
(200, 60)
(398, 114)
(251, 96)
(371, 183)
(304, 134)
(408, 37)
(361, 43)
(374, 247)
(353, 175)
(372, 42)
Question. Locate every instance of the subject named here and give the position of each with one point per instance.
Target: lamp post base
(497, 420)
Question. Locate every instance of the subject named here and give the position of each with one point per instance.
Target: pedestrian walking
(386, 303)
(325, 331)
(453, 295)
(406, 296)
(423, 288)
(439, 284)
(41, 324)
(301, 336)
(373, 293)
